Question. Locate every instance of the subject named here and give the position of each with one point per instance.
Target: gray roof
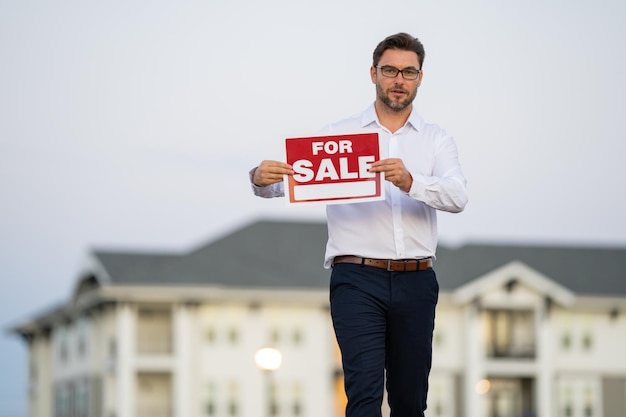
(582, 270)
(289, 255)
(286, 254)
(262, 254)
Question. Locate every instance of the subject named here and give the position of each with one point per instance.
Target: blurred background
(133, 124)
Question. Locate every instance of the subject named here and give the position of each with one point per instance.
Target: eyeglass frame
(399, 71)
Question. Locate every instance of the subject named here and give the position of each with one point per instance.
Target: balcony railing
(154, 345)
(154, 412)
(513, 351)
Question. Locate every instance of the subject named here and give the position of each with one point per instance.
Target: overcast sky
(132, 124)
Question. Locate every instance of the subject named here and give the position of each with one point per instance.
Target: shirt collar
(369, 116)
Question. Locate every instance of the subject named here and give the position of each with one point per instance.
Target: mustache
(398, 88)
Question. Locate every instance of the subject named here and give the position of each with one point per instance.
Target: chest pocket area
(419, 160)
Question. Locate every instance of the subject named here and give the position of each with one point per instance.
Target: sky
(132, 124)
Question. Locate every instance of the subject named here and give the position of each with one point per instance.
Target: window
(579, 396)
(82, 337)
(509, 397)
(510, 333)
(278, 334)
(587, 340)
(298, 336)
(61, 401)
(438, 337)
(566, 340)
(297, 408)
(233, 334)
(275, 335)
(153, 394)
(588, 406)
(154, 330)
(211, 409)
(112, 348)
(437, 398)
(82, 399)
(63, 344)
(233, 399)
(210, 334)
(274, 407)
(227, 404)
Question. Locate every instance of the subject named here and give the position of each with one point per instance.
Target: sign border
(339, 200)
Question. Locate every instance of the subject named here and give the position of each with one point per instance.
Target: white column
(256, 391)
(125, 370)
(185, 382)
(545, 388)
(474, 364)
(40, 353)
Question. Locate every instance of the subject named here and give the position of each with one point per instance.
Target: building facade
(521, 331)
(514, 343)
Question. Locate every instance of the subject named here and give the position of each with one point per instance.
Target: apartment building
(521, 331)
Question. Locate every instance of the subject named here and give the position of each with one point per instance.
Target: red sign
(333, 169)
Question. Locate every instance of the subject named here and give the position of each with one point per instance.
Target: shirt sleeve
(446, 188)
(271, 191)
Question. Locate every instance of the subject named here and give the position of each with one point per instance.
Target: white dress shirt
(404, 225)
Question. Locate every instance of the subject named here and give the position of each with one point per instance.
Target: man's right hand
(270, 172)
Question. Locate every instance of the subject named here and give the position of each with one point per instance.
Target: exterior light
(483, 386)
(268, 359)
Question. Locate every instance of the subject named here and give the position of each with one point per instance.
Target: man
(383, 289)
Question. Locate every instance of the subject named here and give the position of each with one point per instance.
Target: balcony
(510, 334)
(154, 331)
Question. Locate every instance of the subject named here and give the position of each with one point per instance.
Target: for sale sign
(333, 169)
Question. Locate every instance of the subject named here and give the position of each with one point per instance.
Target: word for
(331, 147)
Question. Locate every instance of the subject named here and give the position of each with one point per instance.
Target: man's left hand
(395, 172)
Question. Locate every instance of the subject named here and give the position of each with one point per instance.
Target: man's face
(396, 93)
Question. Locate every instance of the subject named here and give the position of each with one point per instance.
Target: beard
(395, 105)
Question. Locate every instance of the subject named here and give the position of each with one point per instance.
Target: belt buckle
(405, 263)
(390, 262)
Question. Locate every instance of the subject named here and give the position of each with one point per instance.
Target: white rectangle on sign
(335, 191)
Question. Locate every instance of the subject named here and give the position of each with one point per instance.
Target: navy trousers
(384, 324)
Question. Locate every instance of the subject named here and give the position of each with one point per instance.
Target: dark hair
(402, 41)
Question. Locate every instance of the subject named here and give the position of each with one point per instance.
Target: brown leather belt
(388, 264)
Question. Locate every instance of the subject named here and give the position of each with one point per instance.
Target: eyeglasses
(392, 72)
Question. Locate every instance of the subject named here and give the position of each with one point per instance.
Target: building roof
(262, 254)
(583, 270)
(289, 254)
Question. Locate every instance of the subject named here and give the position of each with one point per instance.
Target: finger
(274, 164)
(378, 164)
(275, 167)
(381, 167)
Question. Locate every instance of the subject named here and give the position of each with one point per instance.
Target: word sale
(334, 167)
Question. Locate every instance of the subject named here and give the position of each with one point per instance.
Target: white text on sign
(305, 170)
